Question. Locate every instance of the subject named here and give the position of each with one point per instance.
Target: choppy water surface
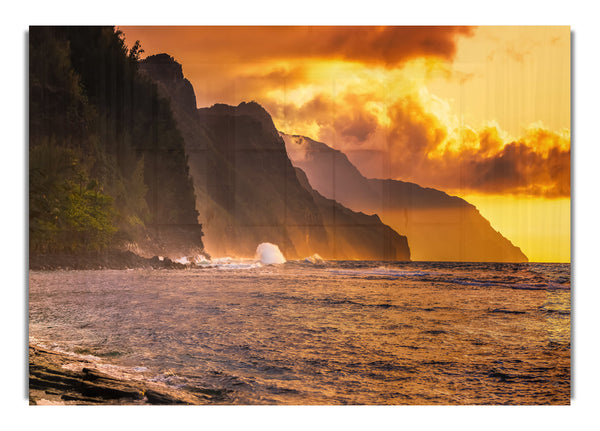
(330, 333)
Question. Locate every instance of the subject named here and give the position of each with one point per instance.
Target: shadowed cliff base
(99, 260)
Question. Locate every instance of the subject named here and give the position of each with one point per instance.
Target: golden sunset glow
(482, 113)
(541, 227)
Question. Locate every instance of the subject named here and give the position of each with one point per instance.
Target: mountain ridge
(438, 226)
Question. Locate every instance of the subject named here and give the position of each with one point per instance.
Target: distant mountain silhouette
(439, 227)
(248, 191)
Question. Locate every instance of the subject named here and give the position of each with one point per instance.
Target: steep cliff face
(439, 227)
(352, 232)
(247, 190)
(253, 186)
(168, 74)
(107, 164)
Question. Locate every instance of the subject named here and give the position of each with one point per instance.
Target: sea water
(321, 332)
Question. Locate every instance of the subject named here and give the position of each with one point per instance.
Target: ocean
(320, 332)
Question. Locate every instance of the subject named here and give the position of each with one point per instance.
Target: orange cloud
(414, 131)
(367, 44)
(528, 166)
(519, 169)
(413, 146)
(234, 64)
(363, 90)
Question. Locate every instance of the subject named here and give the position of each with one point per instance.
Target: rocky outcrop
(439, 227)
(58, 378)
(110, 259)
(169, 75)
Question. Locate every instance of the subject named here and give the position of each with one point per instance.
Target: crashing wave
(269, 254)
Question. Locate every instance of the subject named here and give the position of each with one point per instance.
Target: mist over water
(322, 332)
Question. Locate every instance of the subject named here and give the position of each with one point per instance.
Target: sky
(479, 112)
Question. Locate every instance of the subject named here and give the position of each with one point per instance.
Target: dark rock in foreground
(51, 383)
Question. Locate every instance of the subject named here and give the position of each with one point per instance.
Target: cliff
(247, 190)
(107, 164)
(352, 231)
(439, 227)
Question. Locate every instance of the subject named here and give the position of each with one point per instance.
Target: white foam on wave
(269, 254)
(266, 254)
(315, 259)
(188, 260)
(229, 263)
(239, 265)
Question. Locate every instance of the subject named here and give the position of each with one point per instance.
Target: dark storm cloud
(383, 45)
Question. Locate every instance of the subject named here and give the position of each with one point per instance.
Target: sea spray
(269, 254)
(314, 259)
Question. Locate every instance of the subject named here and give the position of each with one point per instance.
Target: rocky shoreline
(60, 379)
(112, 259)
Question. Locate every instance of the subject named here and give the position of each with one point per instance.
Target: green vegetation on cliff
(106, 161)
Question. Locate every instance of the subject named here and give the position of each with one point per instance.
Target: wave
(315, 259)
(478, 275)
(190, 260)
(507, 285)
(228, 263)
(269, 254)
(381, 271)
(523, 281)
(239, 265)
